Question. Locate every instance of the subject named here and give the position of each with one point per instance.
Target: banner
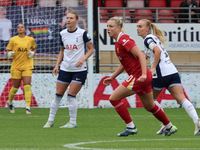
(43, 24)
(179, 37)
(43, 88)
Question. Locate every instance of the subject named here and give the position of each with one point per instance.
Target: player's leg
(64, 78)
(155, 95)
(78, 80)
(16, 80)
(176, 90)
(115, 99)
(60, 90)
(26, 77)
(71, 97)
(158, 84)
(178, 94)
(149, 105)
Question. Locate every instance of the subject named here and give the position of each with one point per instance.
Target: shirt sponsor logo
(71, 47)
(125, 41)
(22, 50)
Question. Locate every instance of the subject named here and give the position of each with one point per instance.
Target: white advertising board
(179, 37)
(43, 88)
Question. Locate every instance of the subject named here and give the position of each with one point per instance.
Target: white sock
(72, 108)
(189, 108)
(54, 107)
(130, 125)
(168, 126)
(28, 107)
(158, 104)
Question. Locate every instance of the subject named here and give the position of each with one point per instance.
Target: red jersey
(130, 63)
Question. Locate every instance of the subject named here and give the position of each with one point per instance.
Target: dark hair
(22, 24)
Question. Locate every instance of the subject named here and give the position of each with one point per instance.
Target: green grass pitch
(97, 130)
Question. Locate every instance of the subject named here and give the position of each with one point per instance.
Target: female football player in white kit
(73, 68)
(165, 74)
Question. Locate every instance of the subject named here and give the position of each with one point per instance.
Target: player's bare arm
(87, 55)
(137, 53)
(157, 53)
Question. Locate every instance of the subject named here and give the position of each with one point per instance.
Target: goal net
(43, 24)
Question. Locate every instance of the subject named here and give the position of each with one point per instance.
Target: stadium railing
(154, 13)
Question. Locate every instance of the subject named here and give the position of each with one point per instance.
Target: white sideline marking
(75, 145)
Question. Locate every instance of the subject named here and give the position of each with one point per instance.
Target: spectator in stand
(184, 13)
(5, 29)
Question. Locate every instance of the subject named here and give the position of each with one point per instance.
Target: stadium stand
(175, 3)
(143, 13)
(104, 16)
(69, 3)
(166, 16)
(135, 3)
(113, 3)
(47, 3)
(24, 2)
(5, 3)
(84, 3)
(157, 3)
(119, 13)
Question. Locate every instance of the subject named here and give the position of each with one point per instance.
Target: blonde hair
(73, 12)
(156, 31)
(119, 22)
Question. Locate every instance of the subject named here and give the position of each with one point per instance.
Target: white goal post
(90, 61)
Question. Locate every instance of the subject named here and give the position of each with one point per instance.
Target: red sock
(159, 114)
(121, 110)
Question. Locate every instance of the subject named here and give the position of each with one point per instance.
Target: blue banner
(44, 25)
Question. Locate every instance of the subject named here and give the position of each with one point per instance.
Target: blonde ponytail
(158, 33)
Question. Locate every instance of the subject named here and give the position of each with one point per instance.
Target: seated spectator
(194, 17)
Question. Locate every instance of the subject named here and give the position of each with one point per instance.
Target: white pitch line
(76, 145)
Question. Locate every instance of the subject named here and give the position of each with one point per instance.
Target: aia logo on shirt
(22, 50)
(71, 47)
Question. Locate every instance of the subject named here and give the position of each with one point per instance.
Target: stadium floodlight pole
(90, 61)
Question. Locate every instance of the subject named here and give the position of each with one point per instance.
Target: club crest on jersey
(71, 47)
(118, 50)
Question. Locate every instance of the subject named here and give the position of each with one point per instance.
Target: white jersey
(5, 27)
(74, 49)
(165, 66)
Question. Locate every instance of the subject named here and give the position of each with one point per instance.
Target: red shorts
(140, 87)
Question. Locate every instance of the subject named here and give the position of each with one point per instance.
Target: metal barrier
(154, 10)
